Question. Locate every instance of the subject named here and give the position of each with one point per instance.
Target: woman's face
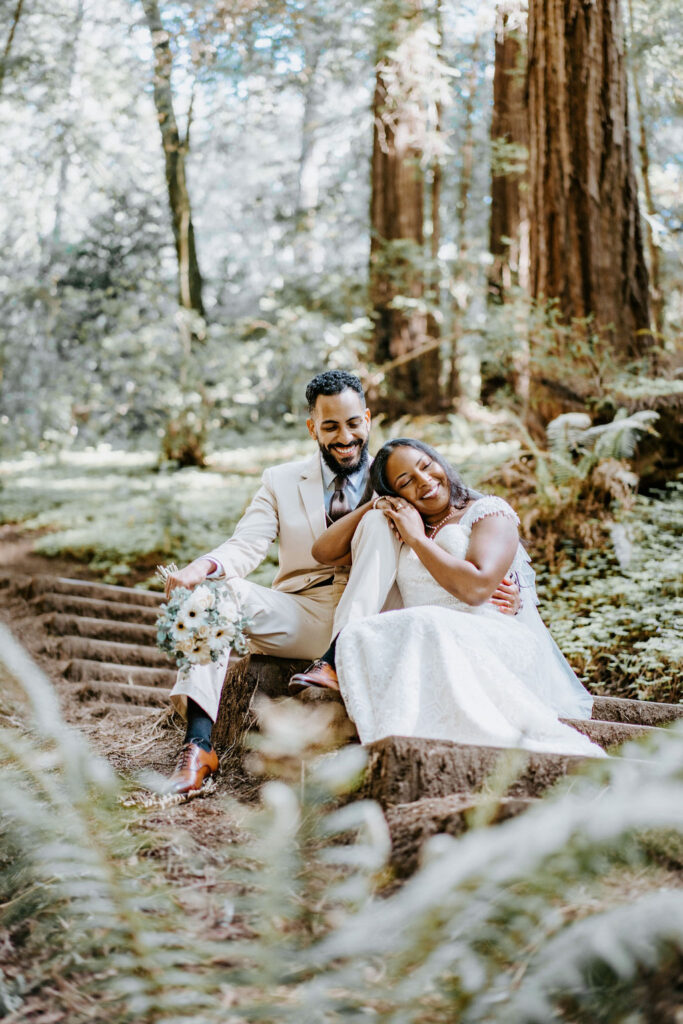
(415, 476)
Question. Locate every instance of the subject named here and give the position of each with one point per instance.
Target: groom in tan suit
(308, 603)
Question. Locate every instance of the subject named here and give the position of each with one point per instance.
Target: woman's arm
(333, 547)
(492, 547)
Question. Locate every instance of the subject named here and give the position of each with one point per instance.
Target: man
(309, 602)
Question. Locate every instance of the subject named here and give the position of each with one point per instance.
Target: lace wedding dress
(442, 669)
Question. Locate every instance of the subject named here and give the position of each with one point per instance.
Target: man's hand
(507, 597)
(190, 577)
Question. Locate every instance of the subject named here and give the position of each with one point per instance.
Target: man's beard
(337, 467)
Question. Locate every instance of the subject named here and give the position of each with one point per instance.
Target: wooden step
(635, 712)
(100, 629)
(95, 591)
(82, 647)
(245, 676)
(402, 769)
(90, 607)
(124, 693)
(411, 825)
(83, 670)
(609, 734)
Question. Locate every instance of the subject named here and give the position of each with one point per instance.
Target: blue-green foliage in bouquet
(196, 626)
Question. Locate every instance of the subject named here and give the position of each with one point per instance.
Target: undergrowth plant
(616, 612)
(509, 923)
(569, 491)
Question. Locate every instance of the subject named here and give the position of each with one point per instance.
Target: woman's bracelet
(375, 500)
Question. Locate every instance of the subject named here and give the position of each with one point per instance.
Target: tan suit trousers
(301, 625)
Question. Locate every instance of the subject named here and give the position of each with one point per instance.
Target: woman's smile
(431, 493)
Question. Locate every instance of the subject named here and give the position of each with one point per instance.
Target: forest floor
(110, 521)
(189, 841)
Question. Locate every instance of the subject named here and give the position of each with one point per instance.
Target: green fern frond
(624, 939)
(566, 433)
(619, 439)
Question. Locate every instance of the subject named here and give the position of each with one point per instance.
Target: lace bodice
(418, 586)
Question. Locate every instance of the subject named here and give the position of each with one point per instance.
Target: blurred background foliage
(275, 114)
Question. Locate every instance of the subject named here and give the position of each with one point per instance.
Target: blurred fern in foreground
(509, 923)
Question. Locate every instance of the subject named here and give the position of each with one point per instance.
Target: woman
(449, 665)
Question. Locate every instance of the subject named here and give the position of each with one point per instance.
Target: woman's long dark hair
(460, 495)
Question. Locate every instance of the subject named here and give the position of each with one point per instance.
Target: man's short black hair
(332, 382)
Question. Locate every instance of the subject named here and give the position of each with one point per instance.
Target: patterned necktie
(339, 504)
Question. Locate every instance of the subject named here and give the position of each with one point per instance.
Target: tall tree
(586, 245)
(7, 49)
(397, 256)
(656, 296)
(175, 152)
(462, 269)
(65, 123)
(509, 225)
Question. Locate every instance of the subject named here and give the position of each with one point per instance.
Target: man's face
(341, 426)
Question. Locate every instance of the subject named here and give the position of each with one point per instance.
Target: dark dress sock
(199, 726)
(329, 655)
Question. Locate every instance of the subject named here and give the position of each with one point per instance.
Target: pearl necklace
(433, 528)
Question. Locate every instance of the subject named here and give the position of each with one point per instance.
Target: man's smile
(345, 449)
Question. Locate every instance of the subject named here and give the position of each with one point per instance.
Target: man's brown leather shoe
(320, 675)
(194, 767)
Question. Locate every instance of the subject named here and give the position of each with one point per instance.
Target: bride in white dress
(449, 665)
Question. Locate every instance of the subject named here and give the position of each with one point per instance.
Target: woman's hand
(405, 519)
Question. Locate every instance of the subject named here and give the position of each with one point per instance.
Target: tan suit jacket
(289, 504)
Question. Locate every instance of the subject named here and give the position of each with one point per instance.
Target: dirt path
(130, 742)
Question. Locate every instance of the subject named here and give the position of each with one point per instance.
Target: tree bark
(65, 160)
(461, 268)
(175, 153)
(656, 297)
(309, 156)
(10, 39)
(509, 226)
(586, 245)
(397, 223)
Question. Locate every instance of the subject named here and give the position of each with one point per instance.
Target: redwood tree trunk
(175, 152)
(397, 223)
(586, 244)
(509, 227)
(656, 297)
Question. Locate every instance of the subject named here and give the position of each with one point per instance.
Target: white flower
(180, 629)
(219, 639)
(185, 646)
(201, 598)
(201, 652)
(228, 609)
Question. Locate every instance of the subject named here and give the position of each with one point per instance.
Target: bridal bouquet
(196, 626)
